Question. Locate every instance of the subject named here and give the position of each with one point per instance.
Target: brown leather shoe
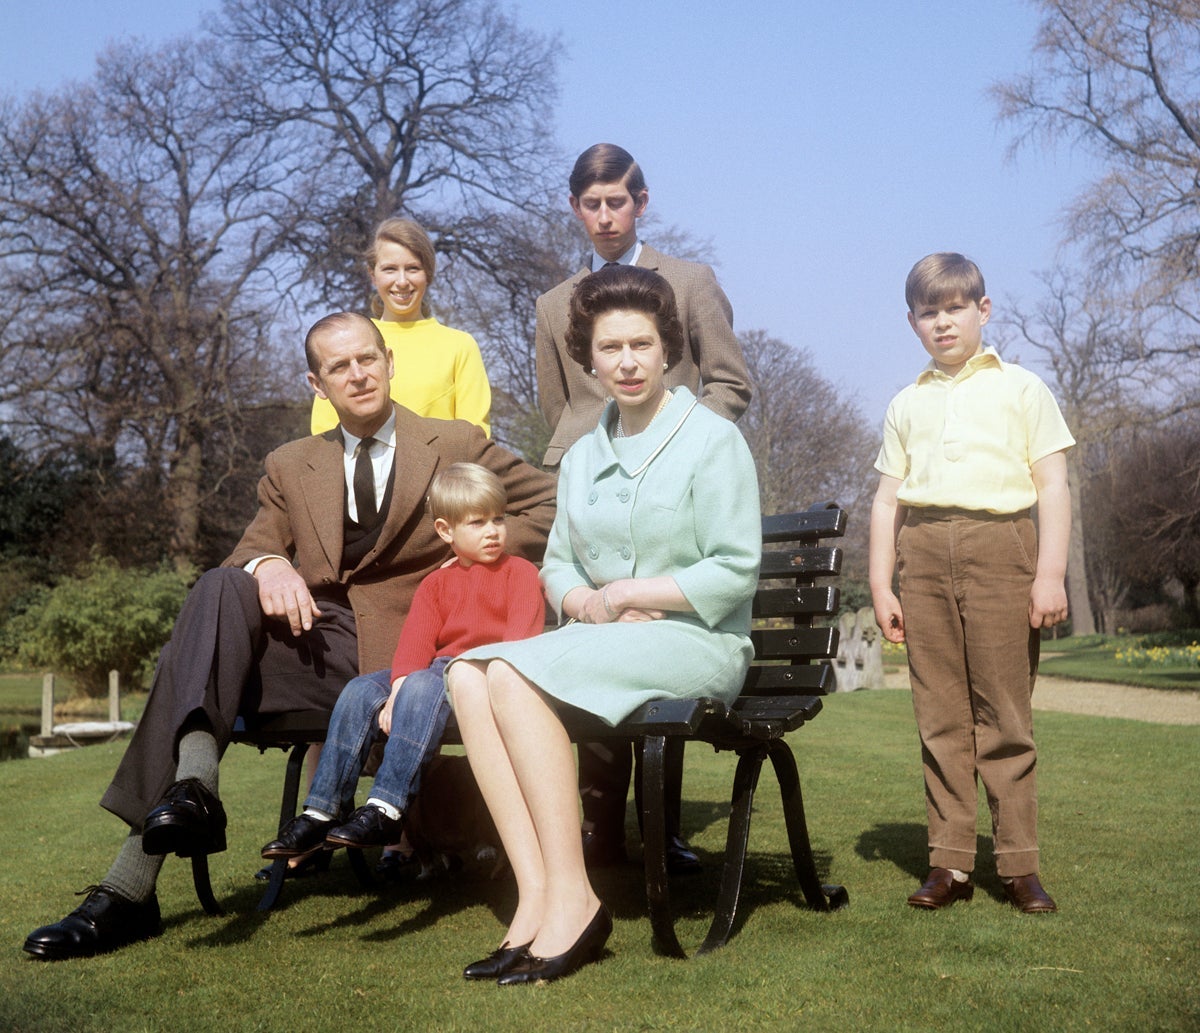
(1025, 893)
(940, 890)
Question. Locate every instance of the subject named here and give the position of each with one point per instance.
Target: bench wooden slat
(814, 561)
(824, 520)
(790, 679)
(817, 601)
(771, 717)
(794, 643)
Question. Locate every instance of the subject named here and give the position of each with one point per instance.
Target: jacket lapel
(324, 482)
(648, 258)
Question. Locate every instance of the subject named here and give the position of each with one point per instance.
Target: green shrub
(23, 585)
(106, 618)
(1175, 638)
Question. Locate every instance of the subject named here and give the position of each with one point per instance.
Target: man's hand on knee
(283, 595)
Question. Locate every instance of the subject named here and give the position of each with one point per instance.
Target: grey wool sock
(134, 873)
(198, 758)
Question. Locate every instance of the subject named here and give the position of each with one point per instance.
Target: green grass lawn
(1094, 658)
(22, 694)
(1119, 820)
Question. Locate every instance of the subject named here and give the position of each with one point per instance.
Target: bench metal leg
(203, 885)
(655, 761)
(358, 865)
(287, 811)
(274, 884)
(820, 897)
(746, 777)
(745, 781)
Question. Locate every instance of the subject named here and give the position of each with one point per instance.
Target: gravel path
(1103, 699)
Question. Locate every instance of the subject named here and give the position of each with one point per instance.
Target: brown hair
(410, 235)
(943, 276)
(606, 163)
(618, 288)
(337, 320)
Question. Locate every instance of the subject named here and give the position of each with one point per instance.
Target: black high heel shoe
(502, 960)
(586, 949)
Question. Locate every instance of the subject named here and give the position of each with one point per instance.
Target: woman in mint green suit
(653, 561)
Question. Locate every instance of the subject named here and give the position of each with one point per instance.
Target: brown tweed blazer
(300, 515)
(712, 366)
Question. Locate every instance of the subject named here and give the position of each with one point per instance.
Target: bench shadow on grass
(770, 878)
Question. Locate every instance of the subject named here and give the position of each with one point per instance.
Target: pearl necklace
(620, 431)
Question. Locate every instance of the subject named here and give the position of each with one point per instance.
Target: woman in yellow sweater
(439, 370)
(439, 373)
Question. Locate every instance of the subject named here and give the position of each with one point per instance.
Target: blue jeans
(419, 717)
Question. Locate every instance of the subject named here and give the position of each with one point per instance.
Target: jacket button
(592, 497)
(623, 494)
(625, 553)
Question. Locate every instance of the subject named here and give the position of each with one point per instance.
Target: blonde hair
(410, 235)
(464, 490)
(943, 276)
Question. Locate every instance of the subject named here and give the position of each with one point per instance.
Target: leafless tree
(809, 440)
(141, 222)
(501, 316)
(1153, 505)
(436, 109)
(1122, 78)
(156, 221)
(1107, 382)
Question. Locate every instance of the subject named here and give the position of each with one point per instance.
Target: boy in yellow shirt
(967, 450)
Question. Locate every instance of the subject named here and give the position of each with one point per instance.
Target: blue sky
(821, 148)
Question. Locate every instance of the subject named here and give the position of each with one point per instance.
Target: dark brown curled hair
(622, 288)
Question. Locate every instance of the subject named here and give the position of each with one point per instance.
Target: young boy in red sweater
(482, 597)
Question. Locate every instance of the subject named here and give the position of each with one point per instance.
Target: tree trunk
(1083, 620)
(184, 491)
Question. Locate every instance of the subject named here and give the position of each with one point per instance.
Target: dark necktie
(364, 483)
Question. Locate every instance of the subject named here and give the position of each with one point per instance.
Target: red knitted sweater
(457, 608)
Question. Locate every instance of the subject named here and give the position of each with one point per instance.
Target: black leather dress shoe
(312, 864)
(367, 826)
(681, 858)
(503, 959)
(301, 835)
(189, 821)
(393, 864)
(602, 852)
(940, 890)
(586, 949)
(104, 922)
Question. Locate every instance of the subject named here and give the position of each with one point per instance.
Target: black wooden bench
(782, 692)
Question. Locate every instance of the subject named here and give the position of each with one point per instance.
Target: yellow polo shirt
(970, 441)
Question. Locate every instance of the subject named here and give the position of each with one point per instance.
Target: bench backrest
(791, 656)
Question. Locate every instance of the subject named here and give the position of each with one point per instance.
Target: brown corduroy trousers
(965, 580)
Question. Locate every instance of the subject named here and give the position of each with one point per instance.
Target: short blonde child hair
(943, 276)
(465, 490)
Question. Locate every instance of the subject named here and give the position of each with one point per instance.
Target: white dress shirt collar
(629, 258)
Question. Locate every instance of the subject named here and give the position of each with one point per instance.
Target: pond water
(15, 730)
